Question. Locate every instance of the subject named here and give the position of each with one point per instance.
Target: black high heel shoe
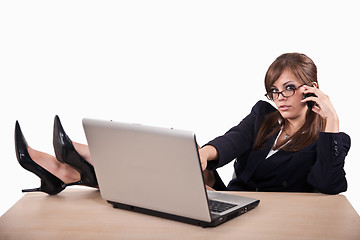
(50, 184)
(66, 153)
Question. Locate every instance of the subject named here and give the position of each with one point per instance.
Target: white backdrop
(194, 65)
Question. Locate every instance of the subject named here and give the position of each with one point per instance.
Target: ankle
(68, 174)
(83, 150)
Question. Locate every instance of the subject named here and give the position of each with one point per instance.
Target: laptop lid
(157, 171)
(148, 167)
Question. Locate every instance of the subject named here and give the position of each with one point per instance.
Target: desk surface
(83, 214)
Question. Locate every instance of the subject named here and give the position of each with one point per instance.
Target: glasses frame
(268, 94)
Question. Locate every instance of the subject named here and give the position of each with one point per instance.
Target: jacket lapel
(256, 157)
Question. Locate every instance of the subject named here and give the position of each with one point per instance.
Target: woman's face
(289, 107)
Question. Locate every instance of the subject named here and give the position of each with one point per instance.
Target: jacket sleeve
(240, 138)
(327, 174)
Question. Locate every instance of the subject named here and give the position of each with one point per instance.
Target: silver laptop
(157, 171)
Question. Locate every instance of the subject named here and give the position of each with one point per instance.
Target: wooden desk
(83, 214)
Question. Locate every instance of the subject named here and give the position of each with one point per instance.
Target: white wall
(195, 65)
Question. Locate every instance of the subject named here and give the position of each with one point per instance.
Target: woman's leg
(61, 170)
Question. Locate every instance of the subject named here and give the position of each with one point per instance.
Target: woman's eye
(290, 87)
(274, 90)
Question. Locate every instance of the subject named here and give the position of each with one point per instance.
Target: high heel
(50, 184)
(66, 153)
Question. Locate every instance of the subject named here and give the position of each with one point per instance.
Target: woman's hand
(203, 158)
(323, 107)
(206, 154)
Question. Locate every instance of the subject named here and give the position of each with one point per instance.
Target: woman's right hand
(203, 158)
(207, 153)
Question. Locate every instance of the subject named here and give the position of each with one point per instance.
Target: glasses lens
(288, 92)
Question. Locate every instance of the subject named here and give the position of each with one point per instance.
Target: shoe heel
(31, 190)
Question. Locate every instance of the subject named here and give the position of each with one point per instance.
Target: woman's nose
(281, 97)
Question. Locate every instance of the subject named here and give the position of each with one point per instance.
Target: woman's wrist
(332, 124)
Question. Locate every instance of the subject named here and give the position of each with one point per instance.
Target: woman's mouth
(284, 107)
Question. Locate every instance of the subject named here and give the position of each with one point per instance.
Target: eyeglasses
(288, 92)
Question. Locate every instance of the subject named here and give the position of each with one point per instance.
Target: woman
(291, 148)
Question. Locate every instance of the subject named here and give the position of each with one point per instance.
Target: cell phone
(310, 104)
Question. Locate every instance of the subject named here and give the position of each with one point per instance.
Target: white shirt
(272, 150)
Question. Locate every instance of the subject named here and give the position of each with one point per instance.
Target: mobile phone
(310, 104)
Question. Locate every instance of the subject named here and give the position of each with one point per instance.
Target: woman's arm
(327, 174)
(237, 140)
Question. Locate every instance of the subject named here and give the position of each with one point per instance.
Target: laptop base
(215, 222)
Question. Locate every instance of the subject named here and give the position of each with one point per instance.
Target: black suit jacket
(317, 167)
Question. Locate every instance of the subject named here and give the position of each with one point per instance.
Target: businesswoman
(296, 146)
(292, 147)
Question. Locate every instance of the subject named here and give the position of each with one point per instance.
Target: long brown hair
(302, 67)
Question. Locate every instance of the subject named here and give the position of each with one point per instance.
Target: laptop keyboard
(218, 207)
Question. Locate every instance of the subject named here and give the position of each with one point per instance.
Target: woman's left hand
(323, 107)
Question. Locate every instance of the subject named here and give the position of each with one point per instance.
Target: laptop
(157, 171)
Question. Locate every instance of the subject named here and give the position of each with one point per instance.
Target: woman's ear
(314, 84)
